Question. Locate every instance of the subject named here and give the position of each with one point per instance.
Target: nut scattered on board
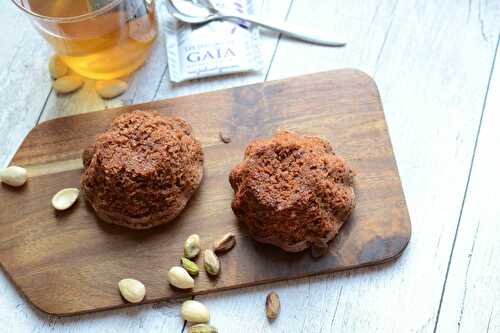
(202, 328)
(273, 306)
(67, 84)
(65, 198)
(190, 266)
(319, 250)
(211, 262)
(195, 312)
(192, 246)
(180, 278)
(14, 176)
(111, 88)
(132, 290)
(224, 138)
(225, 244)
(57, 67)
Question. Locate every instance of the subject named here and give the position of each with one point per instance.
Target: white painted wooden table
(437, 65)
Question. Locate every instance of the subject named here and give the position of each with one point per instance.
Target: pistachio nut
(211, 261)
(192, 246)
(190, 266)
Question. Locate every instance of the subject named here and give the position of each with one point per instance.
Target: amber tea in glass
(99, 39)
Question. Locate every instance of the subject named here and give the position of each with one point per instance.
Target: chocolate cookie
(143, 170)
(292, 191)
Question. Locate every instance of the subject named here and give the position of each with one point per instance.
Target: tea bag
(215, 48)
(134, 9)
(96, 4)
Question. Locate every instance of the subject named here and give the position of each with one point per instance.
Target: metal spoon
(189, 12)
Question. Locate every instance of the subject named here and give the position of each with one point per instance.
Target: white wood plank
(471, 301)
(431, 62)
(24, 82)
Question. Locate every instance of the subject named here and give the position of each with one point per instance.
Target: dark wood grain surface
(69, 262)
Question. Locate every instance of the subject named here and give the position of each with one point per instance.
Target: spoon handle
(283, 28)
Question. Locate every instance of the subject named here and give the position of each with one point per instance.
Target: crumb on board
(224, 138)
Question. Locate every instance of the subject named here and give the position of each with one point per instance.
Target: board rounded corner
(43, 307)
(403, 246)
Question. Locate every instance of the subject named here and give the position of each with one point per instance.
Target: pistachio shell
(65, 198)
(225, 244)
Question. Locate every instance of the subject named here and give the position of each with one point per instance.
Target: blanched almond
(14, 176)
(132, 290)
(111, 88)
(180, 278)
(195, 312)
(67, 84)
(57, 68)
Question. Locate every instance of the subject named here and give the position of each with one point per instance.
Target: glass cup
(99, 39)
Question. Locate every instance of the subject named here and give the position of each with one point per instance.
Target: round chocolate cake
(292, 191)
(143, 170)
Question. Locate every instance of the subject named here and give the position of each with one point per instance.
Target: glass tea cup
(99, 39)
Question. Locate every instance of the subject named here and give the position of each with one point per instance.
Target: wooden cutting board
(69, 263)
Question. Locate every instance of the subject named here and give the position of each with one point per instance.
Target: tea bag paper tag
(215, 48)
